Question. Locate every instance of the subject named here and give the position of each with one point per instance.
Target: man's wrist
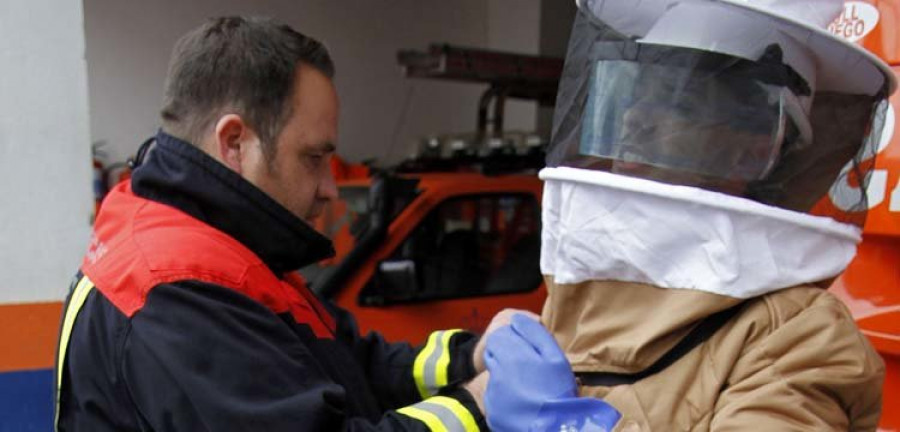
(476, 388)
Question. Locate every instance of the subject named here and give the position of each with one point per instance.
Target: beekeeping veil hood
(750, 108)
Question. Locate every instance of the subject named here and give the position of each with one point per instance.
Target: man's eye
(317, 161)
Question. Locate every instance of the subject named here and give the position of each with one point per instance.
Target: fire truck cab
(451, 237)
(421, 251)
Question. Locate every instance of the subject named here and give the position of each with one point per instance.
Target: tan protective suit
(788, 360)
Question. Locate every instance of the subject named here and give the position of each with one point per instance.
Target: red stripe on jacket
(139, 243)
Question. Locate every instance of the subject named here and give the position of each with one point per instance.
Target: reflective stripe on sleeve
(442, 414)
(79, 295)
(430, 367)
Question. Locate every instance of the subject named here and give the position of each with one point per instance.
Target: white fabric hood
(602, 226)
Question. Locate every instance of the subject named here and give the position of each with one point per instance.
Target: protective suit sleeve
(199, 357)
(815, 371)
(532, 387)
(401, 374)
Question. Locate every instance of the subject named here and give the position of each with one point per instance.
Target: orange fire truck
(452, 237)
(420, 251)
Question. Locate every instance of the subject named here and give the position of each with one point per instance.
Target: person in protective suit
(705, 184)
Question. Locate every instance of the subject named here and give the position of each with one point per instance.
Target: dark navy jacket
(188, 315)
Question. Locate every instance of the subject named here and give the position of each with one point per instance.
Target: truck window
(343, 221)
(468, 246)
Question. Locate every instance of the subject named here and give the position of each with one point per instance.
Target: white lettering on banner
(845, 197)
(96, 250)
(859, 18)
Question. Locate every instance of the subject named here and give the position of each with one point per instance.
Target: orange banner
(28, 335)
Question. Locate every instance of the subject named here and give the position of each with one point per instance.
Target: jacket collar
(180, 175)
(623, 327)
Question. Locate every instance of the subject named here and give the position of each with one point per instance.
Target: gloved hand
(502, 318)
(532, 387)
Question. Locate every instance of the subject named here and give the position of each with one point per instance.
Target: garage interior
(82, 86)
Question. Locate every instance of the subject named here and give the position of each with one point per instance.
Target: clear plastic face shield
(685, 116)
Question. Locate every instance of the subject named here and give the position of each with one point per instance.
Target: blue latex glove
(532, 387)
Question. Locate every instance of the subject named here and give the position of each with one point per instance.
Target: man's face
(299, 175)
(656, 134)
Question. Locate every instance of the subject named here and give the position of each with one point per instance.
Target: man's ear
(231, 134)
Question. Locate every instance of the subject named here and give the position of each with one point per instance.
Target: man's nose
(328, 187)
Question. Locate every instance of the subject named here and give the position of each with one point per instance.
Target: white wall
(514, 25)
(45, 174)
(556, 19)
(129, 42)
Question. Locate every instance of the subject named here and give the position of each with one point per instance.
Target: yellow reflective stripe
(79, 295)
(432, 421)
(459, 410)
(419, 365)
(444, 360)
(430, 366)
(441, 413)
(76, 301)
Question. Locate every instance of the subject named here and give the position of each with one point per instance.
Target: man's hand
(501, 319)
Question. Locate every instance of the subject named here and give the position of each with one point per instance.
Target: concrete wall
(383, 114)
(514, 28)
(556, 19)
(45, 183)
(556, 24)
(45, 174)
